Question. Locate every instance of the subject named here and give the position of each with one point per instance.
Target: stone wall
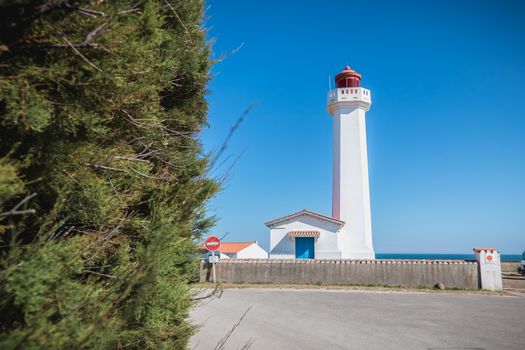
(509, 266)
(406, 273)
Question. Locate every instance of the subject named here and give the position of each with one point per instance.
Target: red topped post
(347, 78)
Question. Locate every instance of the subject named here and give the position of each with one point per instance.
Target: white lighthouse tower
(348, 104)
(347, 233)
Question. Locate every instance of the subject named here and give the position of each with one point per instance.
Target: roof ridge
(308, 212)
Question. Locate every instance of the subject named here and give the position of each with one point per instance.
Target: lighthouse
(348, 104)
(347, 233)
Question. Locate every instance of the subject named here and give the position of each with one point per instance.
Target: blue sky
(446, 131)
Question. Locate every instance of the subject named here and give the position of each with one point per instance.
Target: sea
(504, 257)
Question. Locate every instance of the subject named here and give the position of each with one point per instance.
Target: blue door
(304, 247)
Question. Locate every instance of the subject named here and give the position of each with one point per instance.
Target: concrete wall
(406, 273)
(489, 268)
(509, 266)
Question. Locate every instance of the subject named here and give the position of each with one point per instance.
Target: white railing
(349, 94)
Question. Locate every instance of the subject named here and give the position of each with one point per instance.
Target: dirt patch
(513, 281)
(507, 266)
(345, 287)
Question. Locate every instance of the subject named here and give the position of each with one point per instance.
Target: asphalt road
(349, 319)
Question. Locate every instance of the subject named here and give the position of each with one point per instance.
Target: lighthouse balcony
(349, 97)
(349, 94)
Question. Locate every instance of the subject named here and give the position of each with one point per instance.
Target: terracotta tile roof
(233, 247)
(304, 233)
(305, 212)
(477, 250)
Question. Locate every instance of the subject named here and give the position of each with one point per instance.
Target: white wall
(350, 191)
(283, 247)
(489, 269)
(253, 251)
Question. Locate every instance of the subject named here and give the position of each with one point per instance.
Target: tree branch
(180, 20)
(98, 166)
(51, 4)
(15, 210)
(84, 10)
(101, 29)
(80, 54)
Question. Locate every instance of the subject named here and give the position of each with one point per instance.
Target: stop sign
(212, 243)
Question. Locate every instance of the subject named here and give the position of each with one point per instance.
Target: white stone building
(242, 250)
(347, 234)
(303, 234)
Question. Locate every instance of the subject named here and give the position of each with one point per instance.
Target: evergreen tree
(103, 182)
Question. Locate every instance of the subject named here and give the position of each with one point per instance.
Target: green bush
(103, 183)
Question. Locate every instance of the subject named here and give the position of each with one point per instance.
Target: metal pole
(213, 267)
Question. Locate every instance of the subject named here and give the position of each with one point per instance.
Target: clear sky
(446, 131)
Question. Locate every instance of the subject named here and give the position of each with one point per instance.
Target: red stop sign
(212, 243)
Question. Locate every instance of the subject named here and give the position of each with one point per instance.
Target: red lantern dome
(347, 78)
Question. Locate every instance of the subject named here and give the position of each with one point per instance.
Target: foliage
(103, 182)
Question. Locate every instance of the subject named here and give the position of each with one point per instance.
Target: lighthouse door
(304, 247)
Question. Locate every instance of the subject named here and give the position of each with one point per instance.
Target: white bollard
(489, 268)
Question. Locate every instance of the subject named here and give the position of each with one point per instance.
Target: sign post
(212, 243)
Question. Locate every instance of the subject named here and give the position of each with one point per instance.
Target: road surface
(353, 319)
